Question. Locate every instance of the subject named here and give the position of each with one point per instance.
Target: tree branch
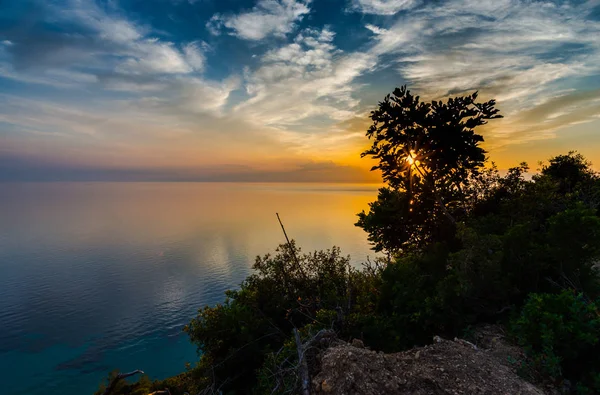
(437, 196)
(303, 368)
(292, 249)
(120, 376)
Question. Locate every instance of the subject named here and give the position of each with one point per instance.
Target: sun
(411, 158)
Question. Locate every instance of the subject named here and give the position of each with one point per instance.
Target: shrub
(560, 334)
(287, 290)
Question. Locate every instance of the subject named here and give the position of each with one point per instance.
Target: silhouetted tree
(427, 153)
(570, 171)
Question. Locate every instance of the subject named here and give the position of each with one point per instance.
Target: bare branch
(119, 377)
(303, 368)
(292, 250)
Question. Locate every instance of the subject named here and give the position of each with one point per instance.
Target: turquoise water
(102, 276)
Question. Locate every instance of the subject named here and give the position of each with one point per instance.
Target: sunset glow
(279, 90)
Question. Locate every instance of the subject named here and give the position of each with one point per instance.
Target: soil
(444, 367)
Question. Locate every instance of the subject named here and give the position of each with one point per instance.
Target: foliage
(427, 153)
(388, 219)
(280, 373)
(439, 135)
(561, 334)
(177, 385)
(287, 290)
(119, 387)
(570, 171)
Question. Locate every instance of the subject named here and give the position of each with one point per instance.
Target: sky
(279, 90)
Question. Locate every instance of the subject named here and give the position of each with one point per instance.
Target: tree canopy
(432, 142)
(427, 153)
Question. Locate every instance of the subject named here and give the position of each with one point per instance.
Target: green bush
(287, 290)
(560, 334)
(177, 385)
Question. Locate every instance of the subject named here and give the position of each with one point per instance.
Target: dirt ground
(444, 367)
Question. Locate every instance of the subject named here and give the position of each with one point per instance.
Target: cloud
(382, 7)
(515, 51)
(99, 37)
(194, 54)
(111, 53)
(309, 77)
(55, 77)
(303, 90)
(109, 27)
(167, 129)
(200, 96)
(544, 120)
(142, 142)
(164, 109)
(154, 57)
(26, 168)
(267, 18)
(143, 54)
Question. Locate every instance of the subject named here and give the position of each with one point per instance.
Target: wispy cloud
(267, 18)
(382, 7)
(103, 41)
(544, 120)
(309, 80)
(517, 52)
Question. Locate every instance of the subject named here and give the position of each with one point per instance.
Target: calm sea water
(98, 276)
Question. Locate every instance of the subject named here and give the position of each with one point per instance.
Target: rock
(325, 387)
(445, 367)
(358, 343)
(467, 343)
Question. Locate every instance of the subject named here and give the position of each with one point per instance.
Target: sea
(103, 276)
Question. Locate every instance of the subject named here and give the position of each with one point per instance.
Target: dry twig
(303, 366)
(113, 383)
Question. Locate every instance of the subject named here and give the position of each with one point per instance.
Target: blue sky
(278, 89)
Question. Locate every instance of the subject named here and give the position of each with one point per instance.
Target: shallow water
(97, 276)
